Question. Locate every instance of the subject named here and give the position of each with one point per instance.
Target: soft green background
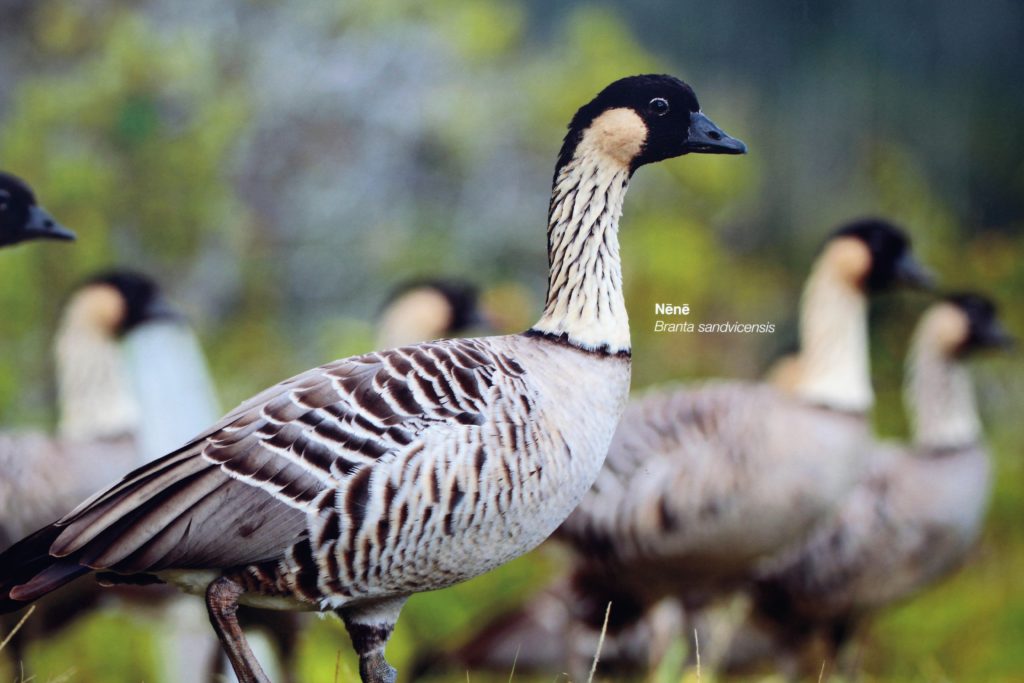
(280, 167)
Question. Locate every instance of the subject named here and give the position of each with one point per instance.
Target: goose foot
(373, 668)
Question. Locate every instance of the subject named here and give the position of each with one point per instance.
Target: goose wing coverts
(299, 459)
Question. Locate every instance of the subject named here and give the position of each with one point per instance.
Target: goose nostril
(714, 135)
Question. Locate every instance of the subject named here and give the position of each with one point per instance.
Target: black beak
(42, 226)
(995, 336)
(707, 138)
(911, 273)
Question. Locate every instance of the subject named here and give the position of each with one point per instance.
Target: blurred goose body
(353, 485)
(43, 476)
(115, 332)
(917, 513)
(702, 483)
(21, 217)
(545, 635)
(164, 362)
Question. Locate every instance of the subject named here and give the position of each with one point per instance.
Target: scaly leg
(370, 625)
(222, 604)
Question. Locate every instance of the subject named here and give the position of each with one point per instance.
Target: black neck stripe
(563, 339)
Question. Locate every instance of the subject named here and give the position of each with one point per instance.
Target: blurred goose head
(114, 303)
(964, 323)
(858, 260)
(21, 218)
(874, 254)
(422, 310)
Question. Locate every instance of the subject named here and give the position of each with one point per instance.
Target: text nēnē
(351, 486)
(914, 517)
(21, 218)
(703, 482)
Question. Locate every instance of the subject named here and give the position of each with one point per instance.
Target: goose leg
(222, 604)
(369, 626)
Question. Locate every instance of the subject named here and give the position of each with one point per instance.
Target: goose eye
(658, 106)
(4, 196)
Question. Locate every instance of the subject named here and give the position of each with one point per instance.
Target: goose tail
(28, 571)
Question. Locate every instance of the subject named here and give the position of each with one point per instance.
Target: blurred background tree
(280, 166)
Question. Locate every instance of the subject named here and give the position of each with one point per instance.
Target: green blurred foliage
(130, 132)
(130, 143)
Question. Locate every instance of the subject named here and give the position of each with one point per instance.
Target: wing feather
(249, 488)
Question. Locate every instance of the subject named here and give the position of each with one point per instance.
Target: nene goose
(701, 483)
(353, 485)
(914, 517)
(21, 218)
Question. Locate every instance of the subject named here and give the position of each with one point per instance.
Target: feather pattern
(358, 462)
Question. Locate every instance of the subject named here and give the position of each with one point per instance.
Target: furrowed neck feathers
(834, 361)
(585, 304)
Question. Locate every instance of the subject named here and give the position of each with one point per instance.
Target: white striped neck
(585, 304)
(938, 392)
(833, 361)
(96, 400)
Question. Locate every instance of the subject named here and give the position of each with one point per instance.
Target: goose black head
(21, 218)
(125, 299)
(980, 327)
(876, 255)
(642, 119)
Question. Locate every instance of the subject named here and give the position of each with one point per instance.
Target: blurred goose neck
(96, 401)
(585, 305)
(834, 361)
(939, 397)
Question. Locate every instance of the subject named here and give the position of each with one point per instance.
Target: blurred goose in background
(702, 482)
(21, 218)
(98, 408)
(543, 637)
(911, 521)
(119, 350)
(356, 484)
